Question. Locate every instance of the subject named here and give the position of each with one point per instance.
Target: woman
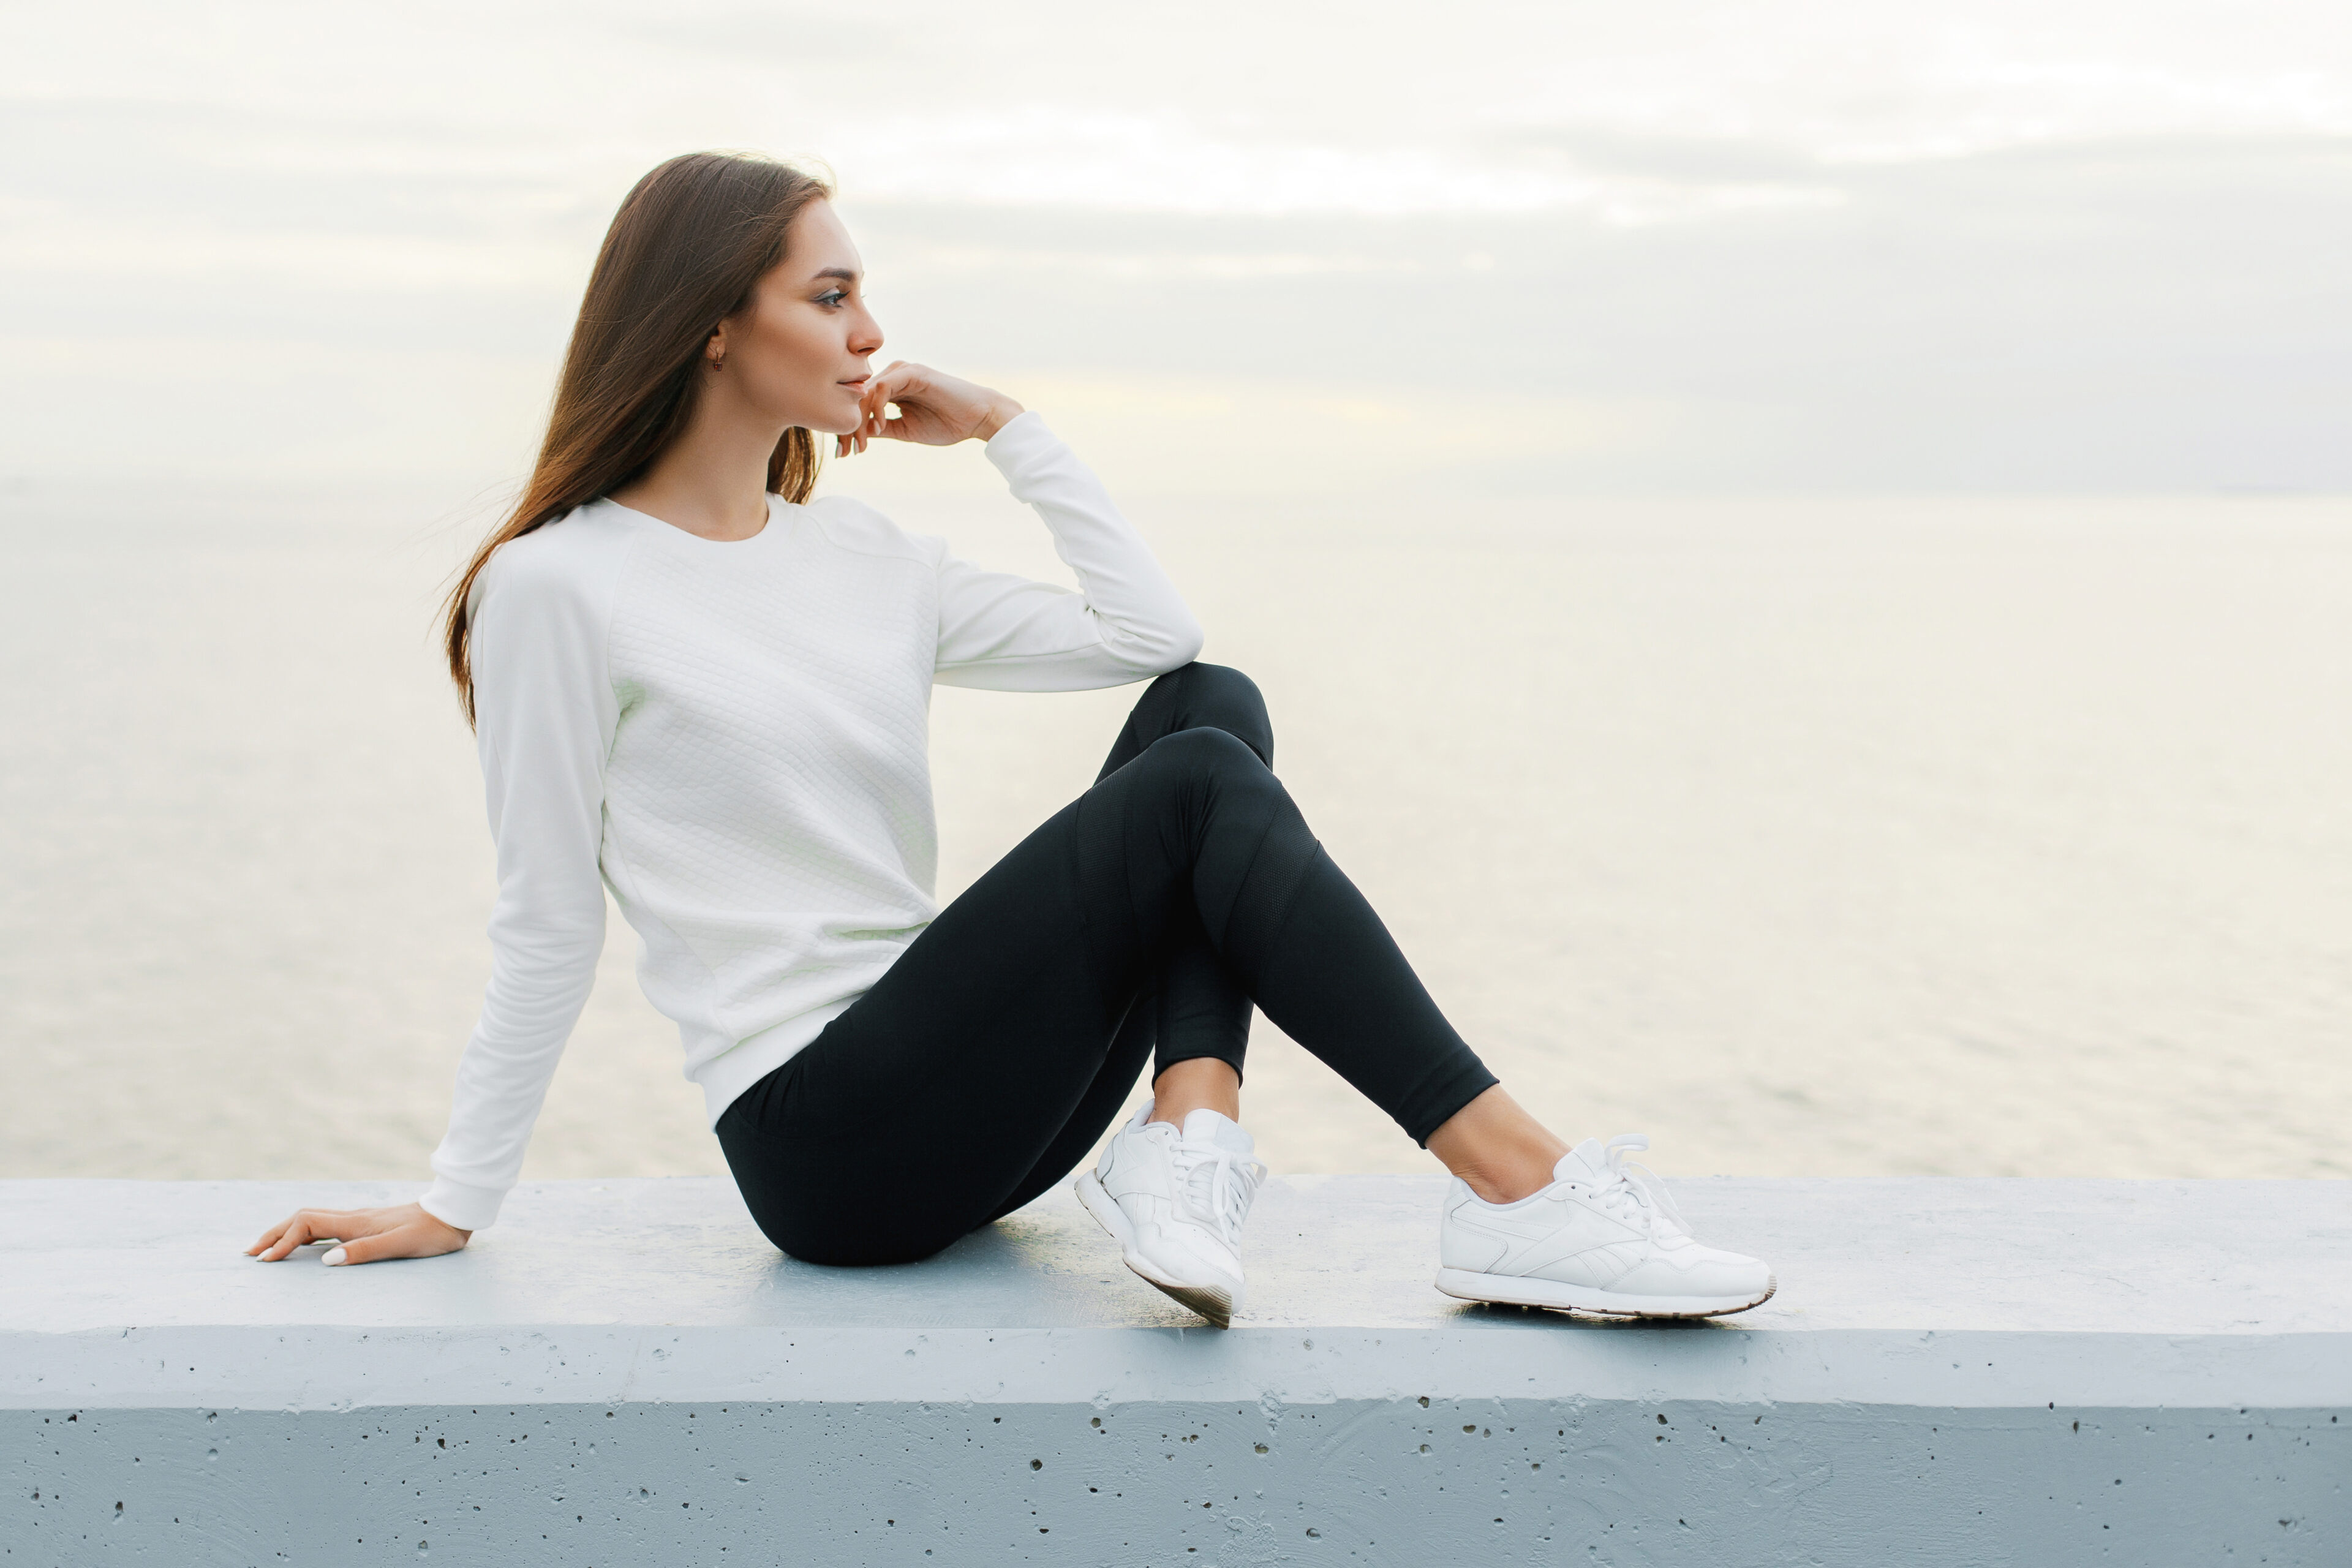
(695, 685)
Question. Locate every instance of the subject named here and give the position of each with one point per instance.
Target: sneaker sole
(1212, 1301)
(1506, 1291)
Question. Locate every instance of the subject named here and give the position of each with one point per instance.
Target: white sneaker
(1175, 1201)
(1599, 1240)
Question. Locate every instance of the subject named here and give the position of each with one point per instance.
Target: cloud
(260, 257)
(946, 257)
(2014, 241)
(1045, 156)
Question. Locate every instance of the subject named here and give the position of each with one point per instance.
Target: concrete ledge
(1954, 1372)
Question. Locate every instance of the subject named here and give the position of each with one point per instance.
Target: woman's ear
(714, 351)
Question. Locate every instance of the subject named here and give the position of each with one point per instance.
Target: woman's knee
(1219, 697)
(1199, 755)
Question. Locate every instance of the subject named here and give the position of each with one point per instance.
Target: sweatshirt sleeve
(1125, 623)
(545, 715)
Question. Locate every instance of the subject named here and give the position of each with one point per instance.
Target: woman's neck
(712, 481)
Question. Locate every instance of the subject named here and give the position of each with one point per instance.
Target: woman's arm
(1126, 622)
(545, 715)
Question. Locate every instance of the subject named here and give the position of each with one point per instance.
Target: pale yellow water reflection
(1965, 836)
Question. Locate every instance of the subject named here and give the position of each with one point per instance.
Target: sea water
(1967, 836)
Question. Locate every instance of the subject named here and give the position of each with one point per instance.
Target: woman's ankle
(1520, 1180)
(1196, 1083)
(1500, 1151)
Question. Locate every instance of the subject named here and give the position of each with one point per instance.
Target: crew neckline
(665, 526)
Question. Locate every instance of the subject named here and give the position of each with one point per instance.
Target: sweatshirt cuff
(1021, 440)
(458, 1204)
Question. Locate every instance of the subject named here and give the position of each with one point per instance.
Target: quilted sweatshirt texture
(733, 737)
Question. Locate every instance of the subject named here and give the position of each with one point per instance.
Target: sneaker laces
(1215, 1185)
(1634, 1192)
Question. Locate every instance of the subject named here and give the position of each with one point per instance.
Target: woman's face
(797, 354)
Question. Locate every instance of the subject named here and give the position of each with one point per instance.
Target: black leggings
(1144, 917)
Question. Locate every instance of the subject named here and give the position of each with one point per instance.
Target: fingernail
(334, 1257)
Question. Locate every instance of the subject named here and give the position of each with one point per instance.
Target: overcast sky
(2069, 245)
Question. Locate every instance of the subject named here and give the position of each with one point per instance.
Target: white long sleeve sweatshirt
(732, 736)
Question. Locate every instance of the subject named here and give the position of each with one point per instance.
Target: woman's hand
(368, 1236)
(934, 409)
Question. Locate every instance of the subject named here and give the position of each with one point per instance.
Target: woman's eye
(832, 297)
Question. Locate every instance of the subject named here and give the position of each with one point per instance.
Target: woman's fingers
(900, 377)
(306, 1226)
(871, 420)
(421, 1236)
(880, 393)
(366, 1236)
(934, 409)
(928, 410)
(370, 1248)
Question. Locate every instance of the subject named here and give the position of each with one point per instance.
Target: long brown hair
(684, 252)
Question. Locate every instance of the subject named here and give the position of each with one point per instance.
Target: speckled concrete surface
(624, 1371)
